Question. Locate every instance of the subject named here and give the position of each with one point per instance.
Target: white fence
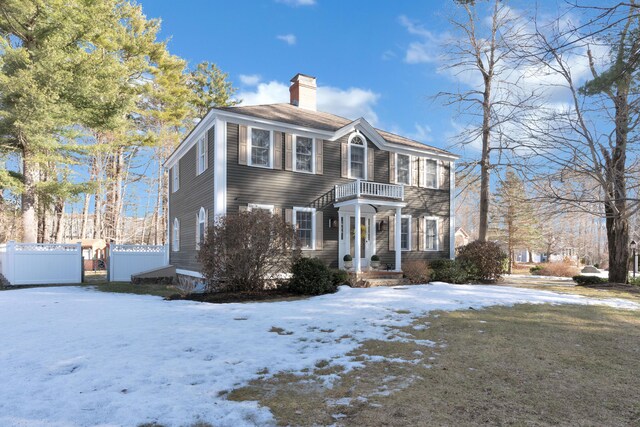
(40, 263)
(125, 260)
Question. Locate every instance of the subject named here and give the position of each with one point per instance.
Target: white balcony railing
(360, 188)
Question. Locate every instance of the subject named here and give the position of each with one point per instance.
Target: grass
(129, 288)
(521, 365)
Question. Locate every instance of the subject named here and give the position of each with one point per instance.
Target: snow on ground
(75, 357)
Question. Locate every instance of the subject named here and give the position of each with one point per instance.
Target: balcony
(358, 188)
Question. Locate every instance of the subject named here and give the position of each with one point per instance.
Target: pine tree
(211, 88)
(514, 219)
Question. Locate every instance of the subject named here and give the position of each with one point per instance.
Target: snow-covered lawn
(74, 357)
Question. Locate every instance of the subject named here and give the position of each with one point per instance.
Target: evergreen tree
(514, 216)
(210, 88)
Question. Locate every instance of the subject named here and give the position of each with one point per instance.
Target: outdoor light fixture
(380, 226)
(333, 223)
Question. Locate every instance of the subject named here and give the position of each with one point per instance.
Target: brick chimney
(303, 92)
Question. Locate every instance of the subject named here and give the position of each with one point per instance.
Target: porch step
(372, 283)
(381, 274)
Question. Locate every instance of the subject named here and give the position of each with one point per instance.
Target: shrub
(535, 269)
(483, 261)
(375, 258)
(448, 270)
(340, 277)
(246, 251)
(417, 271)
(589, 280)
(634, 280)
(310, 276)
(559, 269)
(347, 257)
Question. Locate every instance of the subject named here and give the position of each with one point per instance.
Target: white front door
(346, 236)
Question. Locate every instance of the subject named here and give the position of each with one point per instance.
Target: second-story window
(304, 154)
(357, 157)
(202, 155)
(260, 147)
(403, 169)
(431, 173)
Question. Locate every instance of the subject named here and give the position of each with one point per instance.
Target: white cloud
(289, 39)
(388, 55)
(297, 3)
(424, 51)
(351, 103)
(250, 79)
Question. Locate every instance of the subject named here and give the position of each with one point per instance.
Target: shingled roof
(290, 114)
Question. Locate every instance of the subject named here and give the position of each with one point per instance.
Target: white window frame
(295, 154)
(250, 147)
(201, 218)
(436, 237)
(175, 177)
(313, 225)
(252, 206)
(365, 158)
(408, 218)
(202, 161)
(410, 168)
(424, 173)
(175, 237)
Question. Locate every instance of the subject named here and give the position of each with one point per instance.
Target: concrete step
(371, 283)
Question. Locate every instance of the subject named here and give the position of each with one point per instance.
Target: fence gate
(126, 260)
(41, 263)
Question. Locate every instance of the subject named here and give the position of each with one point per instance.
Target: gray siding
(286, 189)
(194, 192)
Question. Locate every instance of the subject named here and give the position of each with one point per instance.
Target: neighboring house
(322, 173)
(461, 237)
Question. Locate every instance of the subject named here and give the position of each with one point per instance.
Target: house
(322, 173)
(461, 237)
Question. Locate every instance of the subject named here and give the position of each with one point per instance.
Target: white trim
(175, 177)
(294, 154)
(397, 163)
(220, 168)
(252, 206)
(452, 211)
(370, 202)
(437, 235)
(175, 247)
(250, 147)
(359, 124)
(365, 159)
(313, 224)
(201, 218)
(189, 273)
(201, 144)
(408, 249)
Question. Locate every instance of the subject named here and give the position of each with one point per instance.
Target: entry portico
(357, 203)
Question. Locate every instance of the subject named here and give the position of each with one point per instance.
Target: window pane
(304, 154)
(260, 144)
(430, 232)
(403, 165)
(304, 228)
(357, 162)
(431, 173)
(404, 233)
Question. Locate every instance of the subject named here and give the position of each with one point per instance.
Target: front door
(347, 237)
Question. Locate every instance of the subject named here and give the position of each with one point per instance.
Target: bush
(535, 269)
(340, 277)
(417, 271)
(559, 269)
(246, 251)
(589, 280)
(347, 257)
(634, 280)
(311, 277)
(484, 261)
(375, 258)
(448, 270)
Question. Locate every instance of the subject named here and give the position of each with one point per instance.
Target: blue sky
(376, 61)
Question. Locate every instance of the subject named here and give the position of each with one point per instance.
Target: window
(403, 169)
(357, 157)
(405, 233)
(175, 173)
(260, 153)
(431, 173)
(431, 234)
(201, 155)
(303, 222)
(175, 243)
(201, 226)
(304, 154)
(259, 207)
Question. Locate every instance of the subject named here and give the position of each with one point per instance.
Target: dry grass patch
(523, 365)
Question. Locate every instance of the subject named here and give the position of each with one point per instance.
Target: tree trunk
(85, 216)
(485, 161)
(61, 222)
(29, 199)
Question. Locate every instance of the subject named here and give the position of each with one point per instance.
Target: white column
(398, 239)
(356, 242)
(452, 210)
